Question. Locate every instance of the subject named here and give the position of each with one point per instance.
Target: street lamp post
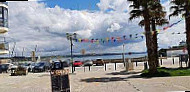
(123, 56)
(71, 37)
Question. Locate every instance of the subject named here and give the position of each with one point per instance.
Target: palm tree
(183, 7)
(142, 8)
(157, 19)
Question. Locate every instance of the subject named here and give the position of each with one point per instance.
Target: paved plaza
(99, 80)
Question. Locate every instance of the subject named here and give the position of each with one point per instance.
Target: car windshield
(26, 64)
(99, 59)
(40, 64)
(32, 64)
(77, 61)
(4, 65)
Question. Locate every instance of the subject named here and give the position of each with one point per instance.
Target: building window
(3, 17)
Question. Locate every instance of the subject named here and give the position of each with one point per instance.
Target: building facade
(4, 46)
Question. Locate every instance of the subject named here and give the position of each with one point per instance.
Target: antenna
(36, 48)
(23, 52)
(13, 49)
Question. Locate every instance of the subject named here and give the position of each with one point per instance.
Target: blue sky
(76, 4)
(73, 4)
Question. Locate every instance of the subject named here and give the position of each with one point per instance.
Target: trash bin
(60, 80)
(129, 65)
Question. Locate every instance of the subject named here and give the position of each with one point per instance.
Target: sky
(73, 4)
(45, 24)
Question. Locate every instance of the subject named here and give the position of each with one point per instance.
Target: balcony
(4, 4)
(4, 48)
(3, 30)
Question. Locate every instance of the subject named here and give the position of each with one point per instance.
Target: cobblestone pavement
(98, 80)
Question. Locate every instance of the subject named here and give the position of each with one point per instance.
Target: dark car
(0, 69)
(59, 65)
(4, 68)
(65, 64)
(42, 66)
(99, 62)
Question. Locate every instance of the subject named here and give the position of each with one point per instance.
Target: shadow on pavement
(104, 79)
(122, 73)
(112, 79)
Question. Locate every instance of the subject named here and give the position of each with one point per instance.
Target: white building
(4, 46)
(176, 51)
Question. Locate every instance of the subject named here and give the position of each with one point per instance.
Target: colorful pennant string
(124, 37)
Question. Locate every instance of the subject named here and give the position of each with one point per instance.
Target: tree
(183, 7)
(157, 19)
(142, 8)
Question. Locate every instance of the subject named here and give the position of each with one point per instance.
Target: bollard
(181, 64)
(74, 68)
(173, 60)
(105, 66)
(89, 67)
(136, 63)
(145, 66)
(84, 68)
(126, 66)
(115, 66)
(186, 64)
(161, 61)
(179, 61)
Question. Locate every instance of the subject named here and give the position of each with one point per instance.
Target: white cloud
(117, 5)
(33, 23)
(114, 27)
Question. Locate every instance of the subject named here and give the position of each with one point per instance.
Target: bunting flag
(120, 39)
(108, 39)
(169, 26)
(131, 36)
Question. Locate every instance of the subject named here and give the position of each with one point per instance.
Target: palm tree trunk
(149, 44)
(187, 22)
(155, 42)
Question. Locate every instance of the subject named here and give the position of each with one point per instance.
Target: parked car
(26, 66)
(88, 63)
(31, 67)
(5, 67)
(56, 65)
(77, 64)
(42, 66)
(20, 70)
(1, 69)
(99, 62)
(59, 65)
(65, 64)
